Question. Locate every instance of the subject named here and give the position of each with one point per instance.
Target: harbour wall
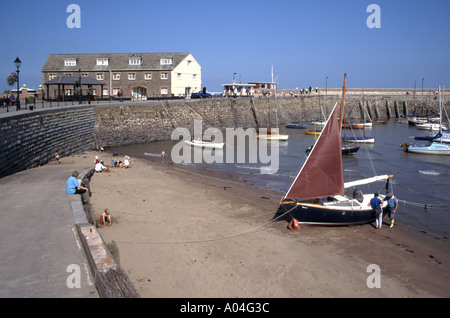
(31, 139)
(142, 123)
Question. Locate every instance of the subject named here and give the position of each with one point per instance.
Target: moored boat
(317, 195)
(360, 139)
(436, 148)
(205, 144)
(296, 126)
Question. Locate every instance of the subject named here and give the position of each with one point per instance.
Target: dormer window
(166, 61)
(102, 62)
(70, 62)
(135, 61)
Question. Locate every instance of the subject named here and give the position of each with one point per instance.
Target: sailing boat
(346, 150)
(273, 133)
(436, 148)
(317, 195)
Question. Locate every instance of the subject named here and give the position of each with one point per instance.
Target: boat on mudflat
(317, 195)
(205, 144)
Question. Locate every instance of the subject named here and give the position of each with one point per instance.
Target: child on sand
(106, 218)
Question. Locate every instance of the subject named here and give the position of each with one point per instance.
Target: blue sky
(304, 41)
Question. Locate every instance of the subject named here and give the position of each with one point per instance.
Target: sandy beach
(184, 234)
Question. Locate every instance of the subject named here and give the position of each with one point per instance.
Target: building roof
(70, 80)
(116, 62)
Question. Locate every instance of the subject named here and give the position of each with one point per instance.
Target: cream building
(138, 75)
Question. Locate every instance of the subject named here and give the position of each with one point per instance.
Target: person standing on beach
(375, 203)
(126, 161)
(57, 158)
(391, 207)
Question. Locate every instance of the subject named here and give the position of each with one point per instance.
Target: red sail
(321, 174)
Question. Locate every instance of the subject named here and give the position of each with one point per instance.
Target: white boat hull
(205, 144)
(274, 137)
(433, 149)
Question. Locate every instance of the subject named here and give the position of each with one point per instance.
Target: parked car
(201, 95)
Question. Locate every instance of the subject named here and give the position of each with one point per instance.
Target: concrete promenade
(40, 253)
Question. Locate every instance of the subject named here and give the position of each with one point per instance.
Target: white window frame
(70, 62)
(116, 76)
(164, 75)
(164, 90)
(135, 61)
(100, 76)
(148, 76)
(102, 62)
(166, 61)
(131, 76)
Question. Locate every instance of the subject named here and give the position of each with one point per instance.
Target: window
(135, 61)
(51, 76)
(179, 75)
(105, 92)
(164, 76)
(164, 91)
(166, 61)
(116, 76)
(189, 62)
(100, 76)
(194, 76)
(68, 92)
(70, 62)
(115, 91)
(102, 62)
(131, 76)
(148, 76)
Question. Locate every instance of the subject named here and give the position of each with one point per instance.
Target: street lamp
(17, 62)
(79, 82)
(326, 85)
(422, 85)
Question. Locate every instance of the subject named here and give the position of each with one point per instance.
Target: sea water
(421, 182)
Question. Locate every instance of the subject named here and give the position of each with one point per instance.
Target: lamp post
(326, 85)
(79, 82)
(17, 62)
(422, 85)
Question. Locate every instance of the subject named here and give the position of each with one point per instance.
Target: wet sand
(184, 234)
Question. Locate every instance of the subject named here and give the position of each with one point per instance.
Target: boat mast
(342, 111)
(440, 113)
(342, 102)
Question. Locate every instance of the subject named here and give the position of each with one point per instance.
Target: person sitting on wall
(73, 186)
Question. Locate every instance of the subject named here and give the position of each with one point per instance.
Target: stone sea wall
(147, 122)
(32, 139)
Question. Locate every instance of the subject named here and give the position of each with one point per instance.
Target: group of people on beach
(389, 210)
(99, 164)
(73, 184)
(377, 206)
